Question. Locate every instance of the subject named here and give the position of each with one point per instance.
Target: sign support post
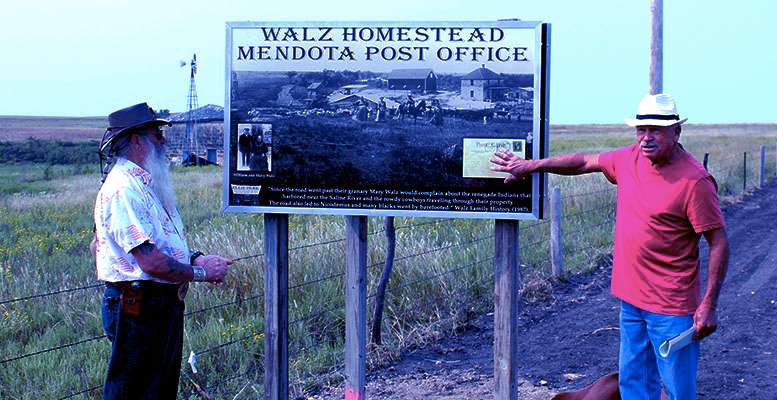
(294, 143)
(276, 306)
(507, 284)
(355, 307)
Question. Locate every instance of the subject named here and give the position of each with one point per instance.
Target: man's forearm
(177, 271)
(159, 265)
(718, 265)
(716, 274)
(567, 164)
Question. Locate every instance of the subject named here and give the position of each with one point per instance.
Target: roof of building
(348, 98)
(210, 112)
(410, 73)
(481, 73)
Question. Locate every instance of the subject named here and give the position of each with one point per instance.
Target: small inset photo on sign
(254, 147)
(478, 152)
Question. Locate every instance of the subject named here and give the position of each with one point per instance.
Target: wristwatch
(194, 256)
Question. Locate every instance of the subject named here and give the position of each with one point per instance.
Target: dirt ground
(569, 341)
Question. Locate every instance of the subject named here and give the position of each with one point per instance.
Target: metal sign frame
(539, 128)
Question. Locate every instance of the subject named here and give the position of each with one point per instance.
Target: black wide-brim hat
(125, 120)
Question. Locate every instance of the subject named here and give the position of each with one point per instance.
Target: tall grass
(442, 275)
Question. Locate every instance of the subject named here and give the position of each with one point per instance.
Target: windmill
(190, 143)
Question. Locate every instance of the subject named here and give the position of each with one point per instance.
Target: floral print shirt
(128, 213)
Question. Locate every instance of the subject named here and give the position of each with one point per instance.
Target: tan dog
(605, 388)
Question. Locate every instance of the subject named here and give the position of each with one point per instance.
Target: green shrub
(48, 151)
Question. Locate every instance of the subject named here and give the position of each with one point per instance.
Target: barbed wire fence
(587, 234)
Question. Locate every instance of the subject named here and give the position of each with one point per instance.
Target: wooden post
(657, 46)
(556, 234)
(761, 167)
(276, 306)
(385, 276)
(355, 307)
(706, 160)
(744, 173)
(507, 284)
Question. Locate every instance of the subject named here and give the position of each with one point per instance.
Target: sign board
(384, 118)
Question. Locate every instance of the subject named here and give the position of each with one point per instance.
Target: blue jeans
(640, 365)
(146, 349)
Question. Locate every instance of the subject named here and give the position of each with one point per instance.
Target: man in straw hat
(666, 201)
(143, 258)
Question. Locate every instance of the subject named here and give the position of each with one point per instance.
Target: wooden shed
(413, 79)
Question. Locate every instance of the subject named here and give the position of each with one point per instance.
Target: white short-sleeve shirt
(128, 213)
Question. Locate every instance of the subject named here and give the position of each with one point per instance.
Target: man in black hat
(144, 259)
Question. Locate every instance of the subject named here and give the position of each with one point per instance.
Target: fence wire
(749, 179)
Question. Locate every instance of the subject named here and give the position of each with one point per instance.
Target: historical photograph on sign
(382, 117)
(254, 142)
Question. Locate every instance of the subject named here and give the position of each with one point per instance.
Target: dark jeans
(145, 360)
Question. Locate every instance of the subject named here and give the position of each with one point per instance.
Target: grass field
(442, 272)
(15, 128)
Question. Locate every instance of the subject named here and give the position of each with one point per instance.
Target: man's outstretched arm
(565, 164)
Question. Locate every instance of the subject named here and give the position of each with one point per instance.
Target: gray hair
(121, 145)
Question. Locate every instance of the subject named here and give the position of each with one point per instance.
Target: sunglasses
(158, 132)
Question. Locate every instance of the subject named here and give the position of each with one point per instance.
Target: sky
(91, 57)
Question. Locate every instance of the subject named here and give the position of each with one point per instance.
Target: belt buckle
(182, 290)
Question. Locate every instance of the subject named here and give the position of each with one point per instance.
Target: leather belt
(151, 288)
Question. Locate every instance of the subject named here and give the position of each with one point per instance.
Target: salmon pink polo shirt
(661, 214)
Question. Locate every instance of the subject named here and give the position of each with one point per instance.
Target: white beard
(156, 164)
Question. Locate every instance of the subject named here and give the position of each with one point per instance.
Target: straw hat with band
(656, 110)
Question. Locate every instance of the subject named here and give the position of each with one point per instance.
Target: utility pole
(657, 46)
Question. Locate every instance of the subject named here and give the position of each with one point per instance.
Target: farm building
(351, 89)
(415, 79)
(209, 131)
(523, 94)
(315, 89)
(339, 100)
(483, 84)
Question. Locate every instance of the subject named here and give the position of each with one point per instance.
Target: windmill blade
(182, 63)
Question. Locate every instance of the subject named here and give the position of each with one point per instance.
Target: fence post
(761, 177)
(706, 161)
(276, 306)
(744, 169)
(355, 307)
(556, 234)
(385, 276)
(507, 284)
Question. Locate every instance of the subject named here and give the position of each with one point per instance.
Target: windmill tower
(190, 143)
